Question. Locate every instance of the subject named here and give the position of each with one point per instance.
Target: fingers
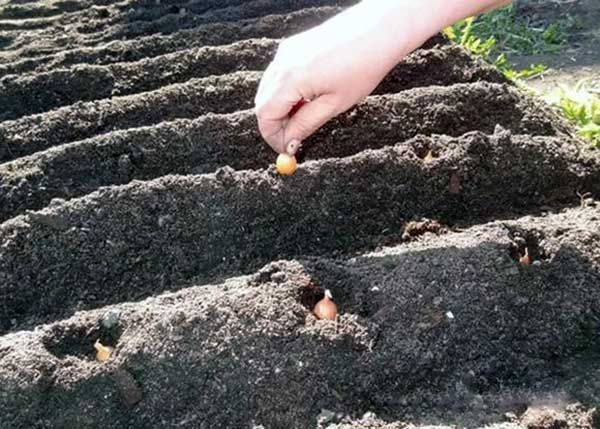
(284, 117)
(309, 118)
(275, 98)
(285, 122)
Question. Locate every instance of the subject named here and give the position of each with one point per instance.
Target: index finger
(273, 105)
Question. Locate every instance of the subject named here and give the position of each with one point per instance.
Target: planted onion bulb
(102, 352)
(286, 164)
(326, 308)
(525, 259)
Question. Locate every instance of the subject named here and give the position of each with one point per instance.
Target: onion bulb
(326, 308)
(429, 157)
(525, 259)
(286, 164)
(102, 352)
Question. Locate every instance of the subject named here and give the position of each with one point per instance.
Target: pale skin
(340, 62)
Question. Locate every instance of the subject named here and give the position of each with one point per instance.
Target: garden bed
(139, 207)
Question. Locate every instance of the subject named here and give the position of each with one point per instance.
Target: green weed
(518, 75)
(462, 33)
(582, 106)
(516, 34)
(495, 35)
(501, 33)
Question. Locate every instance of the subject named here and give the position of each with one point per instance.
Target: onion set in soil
(102, 352)
(326, 309)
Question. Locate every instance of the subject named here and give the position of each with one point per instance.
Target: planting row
(187, 16)
(42, 18)
(151, 46)
(104, 248)
(212, 141)
(273, 26)
(96, 26)
(451, 319)
(36, 9)
(221, 94)
(40, 92)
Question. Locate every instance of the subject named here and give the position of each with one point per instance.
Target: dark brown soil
(139, 207)
(40, 92)
(31, 58)
(139, 153)
(195, 97)
(93, 26)
(448, 329)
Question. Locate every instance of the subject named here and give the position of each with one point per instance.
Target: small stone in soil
(111, 319)
(326, 416)
(278, 277)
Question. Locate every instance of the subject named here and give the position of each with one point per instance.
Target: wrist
(404, 25)
(401, 26)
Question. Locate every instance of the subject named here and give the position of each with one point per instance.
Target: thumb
(309, 118)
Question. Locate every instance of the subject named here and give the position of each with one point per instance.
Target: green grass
(463, 34)
(522, 35)
(582, 106)
(497, 35)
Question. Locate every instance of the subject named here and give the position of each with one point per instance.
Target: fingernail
(292, 147)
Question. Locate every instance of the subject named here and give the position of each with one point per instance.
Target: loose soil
(139, 207)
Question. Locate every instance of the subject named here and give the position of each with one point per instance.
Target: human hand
(335, 65)
(330, 68)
